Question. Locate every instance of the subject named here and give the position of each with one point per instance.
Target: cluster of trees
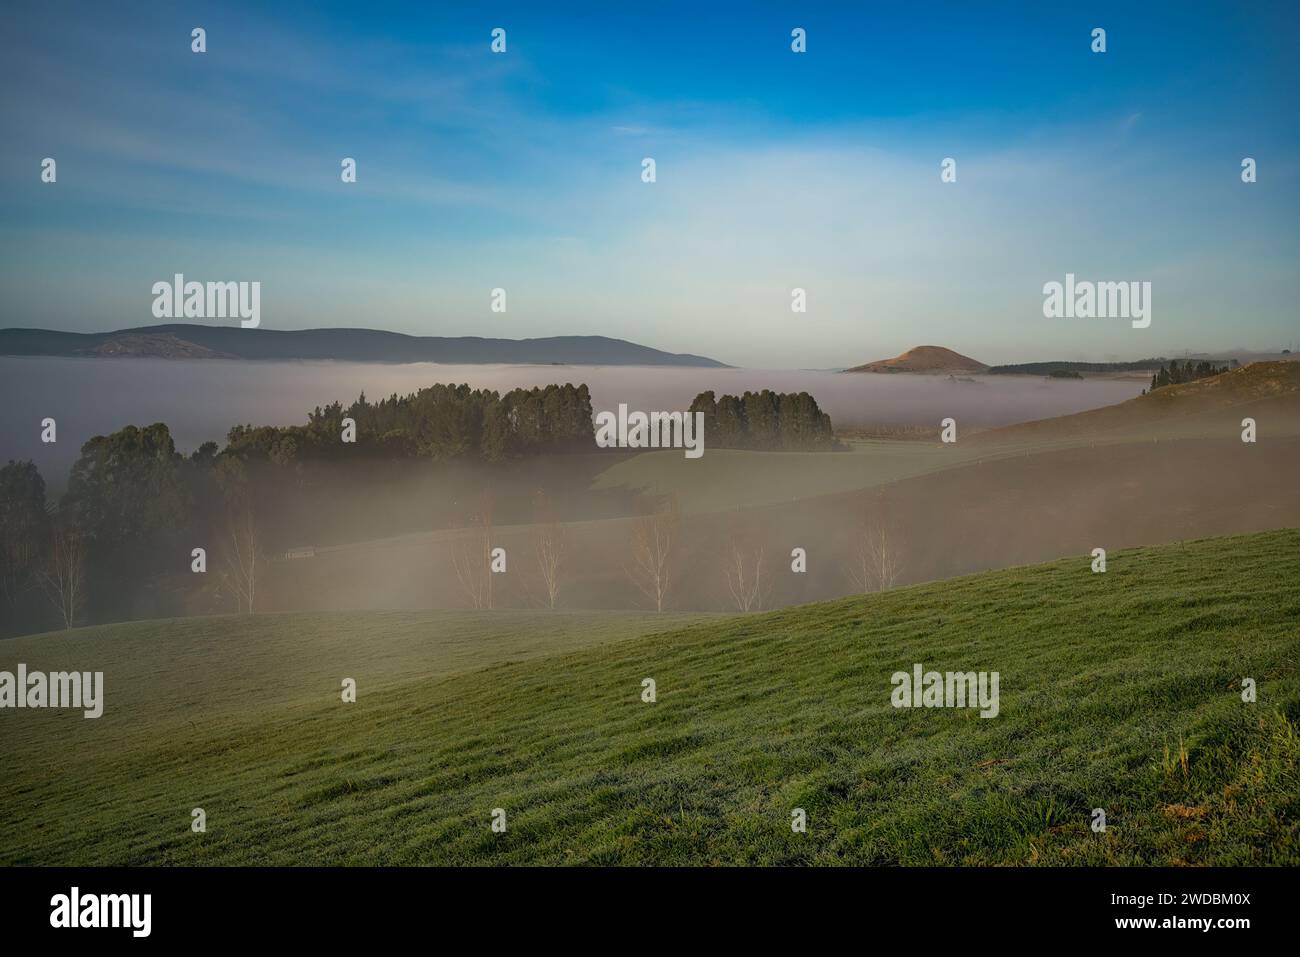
(875, 563)
(475, 559)
(655, 563)
(135, 510)
(440, 423)
(25, 539)
(765, 420)
(1188, 371)
(1048, 368)
(133, 503)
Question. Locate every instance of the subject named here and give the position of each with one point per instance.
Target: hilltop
(186, 341)
(924, 359)
(1119, 690)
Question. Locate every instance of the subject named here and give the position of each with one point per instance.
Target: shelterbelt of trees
(441, 422)
(791, 421)
(1189, 371)
(133, 503)
(119, 542)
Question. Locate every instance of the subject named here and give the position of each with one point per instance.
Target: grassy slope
(1102, 678)
(206, 671)
(1211, 408)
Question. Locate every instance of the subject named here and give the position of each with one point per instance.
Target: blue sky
(775, 170)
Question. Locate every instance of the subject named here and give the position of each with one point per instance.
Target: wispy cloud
(476, 171)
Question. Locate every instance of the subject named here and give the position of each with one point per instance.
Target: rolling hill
(1207, 409)
(929, 360)
(1119, 691)
(1267, 391)
(1163, 468)
(190, 341)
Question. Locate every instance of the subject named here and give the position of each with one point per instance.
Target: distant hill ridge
(1047, 368)
(924, 359)
(185, 341)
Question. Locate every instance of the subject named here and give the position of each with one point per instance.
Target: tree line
(1047, 368)
(439, 423)
(1176, 374)
(135, 508)
(767, 420)
(133, 502)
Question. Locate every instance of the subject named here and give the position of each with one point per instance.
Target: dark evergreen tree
(24, 537)
(765, 420)
(732, 431)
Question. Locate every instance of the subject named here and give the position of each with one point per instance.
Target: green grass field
(1119, 691)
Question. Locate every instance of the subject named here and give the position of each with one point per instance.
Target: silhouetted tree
(732, 430)
(765, 420)
(131, 508)
(24, 531)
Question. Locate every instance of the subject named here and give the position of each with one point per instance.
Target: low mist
(201, 399)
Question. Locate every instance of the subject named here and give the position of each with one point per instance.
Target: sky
(775, 170)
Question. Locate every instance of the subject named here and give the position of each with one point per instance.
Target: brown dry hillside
(1269, 392)
(924, 359)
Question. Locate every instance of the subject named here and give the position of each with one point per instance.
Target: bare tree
(653, 537)
(239, 540)
(877, 559)
(471, 556)
(64, 577)
(242, 552)
(548, 544)
(744, 568)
